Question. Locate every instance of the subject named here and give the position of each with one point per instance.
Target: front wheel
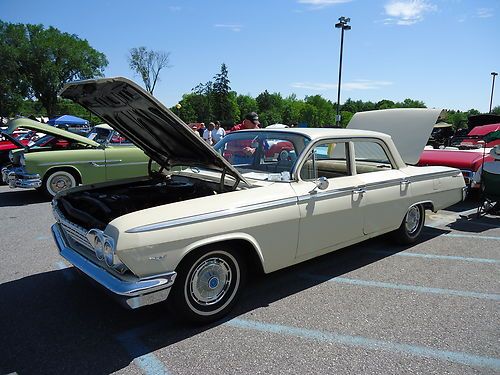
(412, 225)
(209, 284)
(57, 181)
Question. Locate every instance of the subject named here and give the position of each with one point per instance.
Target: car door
(124, 160)
(385, 189)
(332, 217)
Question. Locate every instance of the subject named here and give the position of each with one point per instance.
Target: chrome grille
(74, 232)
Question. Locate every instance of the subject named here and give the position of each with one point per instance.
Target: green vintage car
(62, 159)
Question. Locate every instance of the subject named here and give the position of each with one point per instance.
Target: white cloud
(484, 13)
(319, 4)
(407, 12)
(234, 28)
(359, 84)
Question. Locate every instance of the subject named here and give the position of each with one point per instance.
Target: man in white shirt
(208, 134)
(218, 132)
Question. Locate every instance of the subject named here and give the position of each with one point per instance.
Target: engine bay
(97, 207)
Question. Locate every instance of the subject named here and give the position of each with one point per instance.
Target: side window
(370, 156)
(329, 159)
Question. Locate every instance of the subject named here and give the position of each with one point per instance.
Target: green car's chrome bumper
(18, 177)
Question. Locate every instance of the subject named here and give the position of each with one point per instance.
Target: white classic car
(260, 199)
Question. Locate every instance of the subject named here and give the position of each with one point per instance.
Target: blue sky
(439, 51)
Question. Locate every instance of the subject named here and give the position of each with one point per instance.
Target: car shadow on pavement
(21, 198)
(474, 224)
(57, 322)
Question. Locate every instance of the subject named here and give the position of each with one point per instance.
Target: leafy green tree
(13, 85)
(148, 64)
(325, 111)
(203, 101)
(246, 104)
(496, 110)
(410, 103)
(385, 104)
(346, 117)
(225, 107)
(473, 112)
(457, 119)
(49, 58)
(291, 110)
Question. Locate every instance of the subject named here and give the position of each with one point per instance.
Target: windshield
(262, 155)
(99, 135)
(41, 141)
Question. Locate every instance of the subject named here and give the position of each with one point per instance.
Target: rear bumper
(132, 294)
(16, 177)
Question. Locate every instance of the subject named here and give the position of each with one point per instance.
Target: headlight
(22, 160)
(98, 247)
(108, 253)
(104, 247)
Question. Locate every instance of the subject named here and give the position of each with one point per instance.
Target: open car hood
(409, 128)
(136, 114)
(26, 123)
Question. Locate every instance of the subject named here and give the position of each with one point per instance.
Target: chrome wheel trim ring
(59, 182)
(235, 276)
(412, 221)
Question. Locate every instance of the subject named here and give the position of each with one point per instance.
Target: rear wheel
(57, 181)
(208, 285)
(412, 225)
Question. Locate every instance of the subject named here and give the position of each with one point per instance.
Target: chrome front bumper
(132, 294)
(18, 177)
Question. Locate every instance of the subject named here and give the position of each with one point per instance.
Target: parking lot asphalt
(372, 308)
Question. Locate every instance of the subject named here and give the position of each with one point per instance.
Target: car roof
(320, 133)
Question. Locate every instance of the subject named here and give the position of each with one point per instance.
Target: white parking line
(439, 257)
(406, 287)
(368, 343)
(146, 361)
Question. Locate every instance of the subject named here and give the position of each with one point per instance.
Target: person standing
(201, 129)
(208, 134)
(218, 132)
(251, 121)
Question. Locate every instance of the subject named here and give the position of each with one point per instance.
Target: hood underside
(151, 126)
(409, 128)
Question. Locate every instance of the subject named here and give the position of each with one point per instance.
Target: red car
(477, 134)
(470, 155)
(468, 161)
(13, 142)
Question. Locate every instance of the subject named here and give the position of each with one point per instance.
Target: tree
(148, 64)
(36, 62)
(50, 58)
(224, 102)
(496, 110)
(246, 104)
(13, 85)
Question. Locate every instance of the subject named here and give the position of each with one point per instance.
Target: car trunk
(97, 207)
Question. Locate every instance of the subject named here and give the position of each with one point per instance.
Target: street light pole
(494, 74)
(342, 24)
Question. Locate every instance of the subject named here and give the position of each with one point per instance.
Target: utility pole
(342, 24)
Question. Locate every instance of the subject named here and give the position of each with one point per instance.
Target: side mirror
(321, 184)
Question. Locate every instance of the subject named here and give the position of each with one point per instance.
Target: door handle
(94, 164)
(405, 182)
(359, 191)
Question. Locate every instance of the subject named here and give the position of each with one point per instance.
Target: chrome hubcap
(412, 219)
(210, 281)
(59, 183)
